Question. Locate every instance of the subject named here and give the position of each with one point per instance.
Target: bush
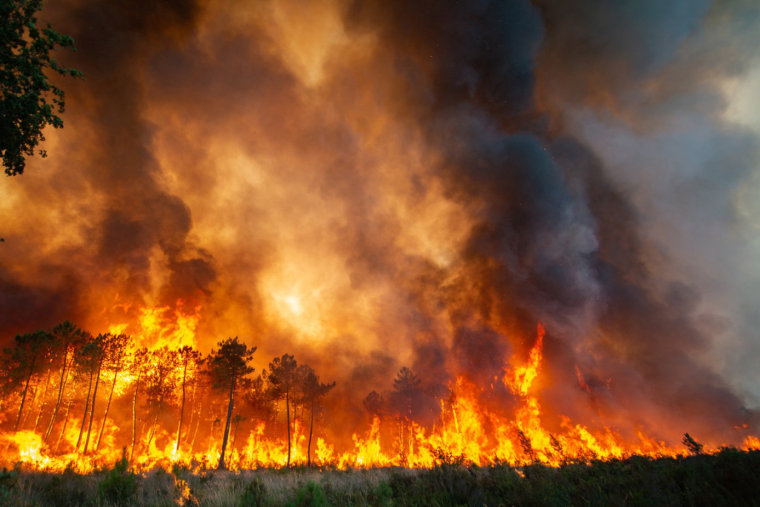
(254, 494)
(311, 495)
(119, 485)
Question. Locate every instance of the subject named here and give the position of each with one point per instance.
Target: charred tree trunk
(86, 410)
(92, 410)
(65, 422)
(227, 425)
(134, 418)
(44, 398)
(108, 406)
(23, 396)
(61, 386)
(198, 419)
(311, 430)
(152, 429)
(287, 419)
(181, 409)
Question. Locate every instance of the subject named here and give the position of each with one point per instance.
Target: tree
(89, 360)
(22, 362)
(160, 385)
(313, 391)
(374, 404)
(228, 367)
(190, 360)
(67, 338)
(283, 379)
(137, 369)
(405, 399)
(29, 102)
(115, 349)
(406, 387)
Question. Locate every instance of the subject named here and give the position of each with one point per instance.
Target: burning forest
(363, 234)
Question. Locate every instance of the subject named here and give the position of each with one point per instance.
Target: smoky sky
(412, 184)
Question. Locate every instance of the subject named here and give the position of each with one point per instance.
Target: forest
(62, 385)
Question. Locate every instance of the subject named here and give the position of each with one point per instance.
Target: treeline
(54, 377)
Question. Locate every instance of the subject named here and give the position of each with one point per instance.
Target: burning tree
(160, 385)
(313, 391)
(115, 350)
(228, 367)
(67, 338)
(190, 361)
(283, 380)
(22, 362)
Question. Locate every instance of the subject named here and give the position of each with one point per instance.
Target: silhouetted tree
(21, 362)
(115, 349)
(259, 400)
(691, 444)
(89, 360)
(160, 385)
(374, 404)
(67, 338)
(406, 387)
(28, 101)
(313, 392)
(283, 380)
(137, 369)
(228, 367)
(189, 360)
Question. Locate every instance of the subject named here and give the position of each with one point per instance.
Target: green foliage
(727, 478)
(29, 101)
(310, 494)
(8, 483)
(254, 494)
(382, 495)
(119, 486)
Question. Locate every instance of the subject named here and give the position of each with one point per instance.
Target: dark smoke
(584, 142)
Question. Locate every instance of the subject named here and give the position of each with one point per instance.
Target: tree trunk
(198, 419)
(152, 429)
(23, 396)
(287, 419)
(311, 430)
(92, 410)
(108, 406)
(181, 409)
(227, 425)
(86, 410)
(65, 422)
(42, 403)
(134, 418)
(61, 384)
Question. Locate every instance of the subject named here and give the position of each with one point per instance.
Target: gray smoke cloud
(437, 181)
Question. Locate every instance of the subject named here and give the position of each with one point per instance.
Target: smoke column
(378, 184)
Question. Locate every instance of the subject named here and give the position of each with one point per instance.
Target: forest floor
(730, 477)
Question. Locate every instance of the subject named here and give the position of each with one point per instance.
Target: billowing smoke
(378, 184)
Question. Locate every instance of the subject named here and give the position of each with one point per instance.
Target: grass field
(730, 477)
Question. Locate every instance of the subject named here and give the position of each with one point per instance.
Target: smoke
(371, 185)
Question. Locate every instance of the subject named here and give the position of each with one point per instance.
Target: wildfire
(468, 430)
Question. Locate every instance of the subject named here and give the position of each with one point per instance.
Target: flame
(469, 430)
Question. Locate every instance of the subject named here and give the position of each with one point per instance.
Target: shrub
(119, 485)
(254, 494)
(311, 494)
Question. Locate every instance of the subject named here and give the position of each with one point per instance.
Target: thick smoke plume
(378, 184)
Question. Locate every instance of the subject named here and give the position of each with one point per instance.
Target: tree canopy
(28, 100)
